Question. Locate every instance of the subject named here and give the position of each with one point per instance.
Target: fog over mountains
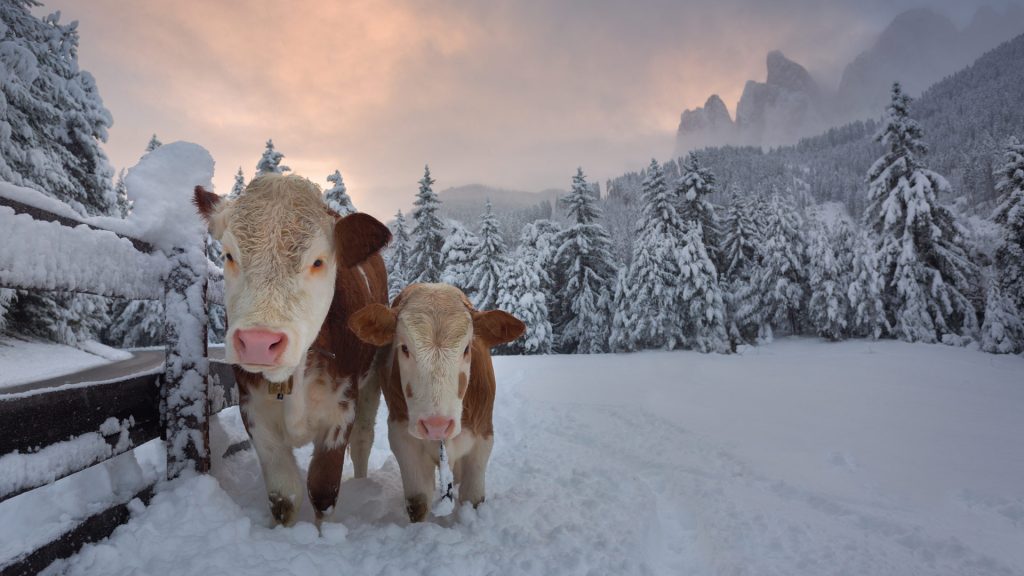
(918, 48)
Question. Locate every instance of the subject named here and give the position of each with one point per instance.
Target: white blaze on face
(433, 351)
(279, 274)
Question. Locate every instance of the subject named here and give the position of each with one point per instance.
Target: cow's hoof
(283, 509)
(417, 508)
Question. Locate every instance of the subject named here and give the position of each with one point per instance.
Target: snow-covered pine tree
(397, 257)
(124, 205)
(138, 323)
(922, 255)
(216, 313)
(542, 236)
(487, 263)
(739, 236)
(337, 195)
(775, 294)
(1003, 329)
(1009, 260)
(522, 295)
(239, 186)
(829, 306)
(456, 255)
(647, 300)
(154, 143)
(693, 191)
(700, 299)
(427, 233)
(867, 310)
(7, 299)
(586, 272)
(52, 121)
(270, 162)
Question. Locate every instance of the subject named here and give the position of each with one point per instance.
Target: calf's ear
(211, 208)
(374, 324)
(495, 327)
(359, 236)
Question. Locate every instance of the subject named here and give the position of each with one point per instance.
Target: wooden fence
(172, 404)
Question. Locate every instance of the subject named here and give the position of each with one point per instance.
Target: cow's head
(434, 329)
(282, 249)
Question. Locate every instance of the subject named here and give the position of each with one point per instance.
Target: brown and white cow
(293, 273)
(438, 383)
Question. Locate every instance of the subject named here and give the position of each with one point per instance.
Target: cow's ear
(211, 207)
(374, 324)
(359, 236)
(495, 327)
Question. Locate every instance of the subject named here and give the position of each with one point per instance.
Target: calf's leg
(417, 470)
(472, 471)
(324, 479)
(265, 423)
(366, 414)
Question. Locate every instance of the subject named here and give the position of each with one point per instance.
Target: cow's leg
(416, 467)
(265, 419)
(472, 471)
(324, 479)
(366, 412)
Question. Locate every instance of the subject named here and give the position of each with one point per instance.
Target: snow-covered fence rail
(50, 433)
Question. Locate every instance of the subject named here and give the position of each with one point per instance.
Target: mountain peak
(787, 74)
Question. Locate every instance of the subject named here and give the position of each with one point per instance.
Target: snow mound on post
(161, 186)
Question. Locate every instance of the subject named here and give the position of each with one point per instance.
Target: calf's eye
(318, 263)
(229, 257)
(466, 351)
(405, 350)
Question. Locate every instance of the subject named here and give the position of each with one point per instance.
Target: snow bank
(800, 457)
(47, 255)
(29, 361)
(161, 186)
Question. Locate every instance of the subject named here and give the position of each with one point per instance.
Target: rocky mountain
(918, 48)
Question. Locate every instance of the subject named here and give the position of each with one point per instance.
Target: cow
(438, 384)
(294, 271)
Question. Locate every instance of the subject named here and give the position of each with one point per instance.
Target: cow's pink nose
(258, 346)
(437, 427)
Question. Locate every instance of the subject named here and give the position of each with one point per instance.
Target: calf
(293, 273)
(438, 383)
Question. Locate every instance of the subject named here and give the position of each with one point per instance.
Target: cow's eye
(466, 351)
(405, 350)
(318, 263)
(229, 257)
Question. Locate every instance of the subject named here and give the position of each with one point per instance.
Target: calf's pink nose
(437, 427)
(258, 346)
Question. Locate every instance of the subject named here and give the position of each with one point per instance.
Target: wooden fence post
(185, 380)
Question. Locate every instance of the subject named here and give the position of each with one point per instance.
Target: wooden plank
(40, 214)
(92, 529)
(31, 422)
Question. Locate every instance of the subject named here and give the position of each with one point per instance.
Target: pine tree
(922, 254)
(337, 196)
(542, 236)
(397, 257)
(216, 313)
(647, 299)
(829, 306)
(138, 323)
(486, 273)
(775, 294)
(696, 184)
(124, 205)
(703, 318)
(456, 256)
(7, 300)
(154, 143)
(586, 271)
(270, 162)
(739, 236)
(239, 185)
(52, 119)
(427, 233)
(1009, 259)
(522, 295)
(1003, 329)
(865, 290)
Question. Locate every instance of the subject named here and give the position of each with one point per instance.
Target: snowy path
(797, 458)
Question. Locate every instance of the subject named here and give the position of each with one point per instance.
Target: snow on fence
(49, 433)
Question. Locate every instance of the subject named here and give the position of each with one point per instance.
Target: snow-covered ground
(794, 458)
(23, 361)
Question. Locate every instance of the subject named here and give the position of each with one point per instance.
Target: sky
(513, 94)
